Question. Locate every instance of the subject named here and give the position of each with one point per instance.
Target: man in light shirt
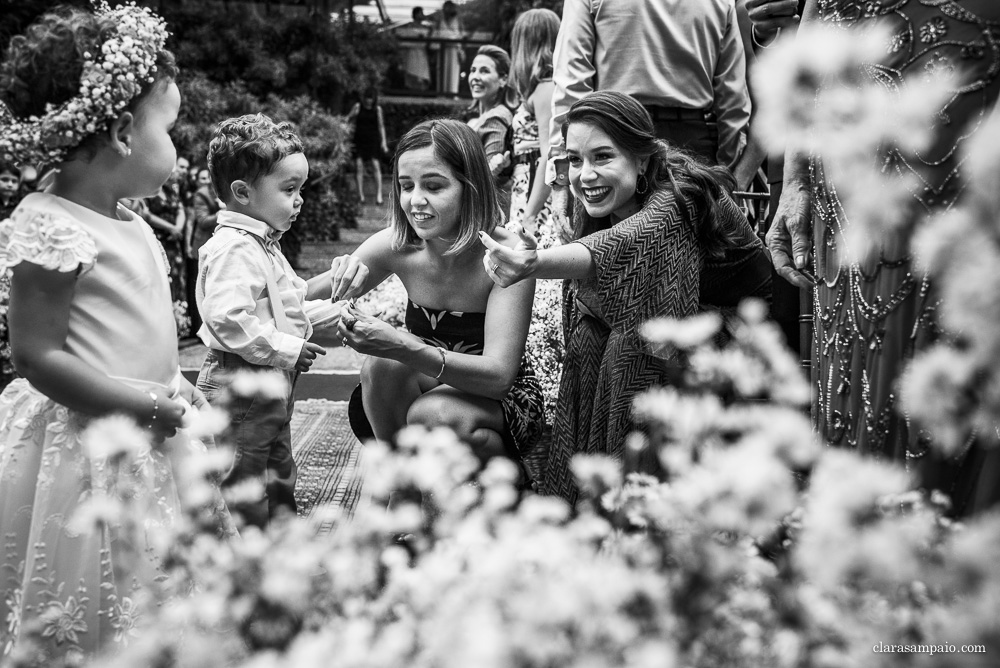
(682, 59)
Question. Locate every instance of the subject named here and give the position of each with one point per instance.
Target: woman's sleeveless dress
(464, 332)
(121, 323)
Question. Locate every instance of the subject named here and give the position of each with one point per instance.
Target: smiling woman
(461, 364)
(494, 103)
(654, 229)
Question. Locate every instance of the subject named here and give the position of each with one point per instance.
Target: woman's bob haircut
(458, 146)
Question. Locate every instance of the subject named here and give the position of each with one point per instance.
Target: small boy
(252, 303)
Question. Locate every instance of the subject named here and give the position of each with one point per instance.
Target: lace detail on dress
(52, 242)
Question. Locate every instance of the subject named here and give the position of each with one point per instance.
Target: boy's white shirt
(233, 299)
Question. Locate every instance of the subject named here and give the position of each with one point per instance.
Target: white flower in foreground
(113, 437)
(935, 392)
(682, 333)
(97, 512)
(206, 422)
(253, 384)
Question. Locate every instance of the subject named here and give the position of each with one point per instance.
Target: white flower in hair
(107, 85)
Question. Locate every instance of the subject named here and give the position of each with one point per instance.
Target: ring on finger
(496, 267)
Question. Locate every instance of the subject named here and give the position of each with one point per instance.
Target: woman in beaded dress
(871, 316)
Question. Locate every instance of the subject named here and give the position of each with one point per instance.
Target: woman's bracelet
(156, 408)
(444, 362)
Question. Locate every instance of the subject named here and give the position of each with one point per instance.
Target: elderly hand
(347, 277)
(507, 266)
(789, 239)
(769, 16)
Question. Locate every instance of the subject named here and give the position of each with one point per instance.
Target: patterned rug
(327, 455)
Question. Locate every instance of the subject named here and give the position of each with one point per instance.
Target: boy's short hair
(247, 148)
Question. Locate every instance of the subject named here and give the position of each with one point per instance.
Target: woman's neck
(627, 211)
(485, 106)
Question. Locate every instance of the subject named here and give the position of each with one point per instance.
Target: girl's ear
(241, 191)
(120, 133)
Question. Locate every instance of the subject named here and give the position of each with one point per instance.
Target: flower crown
(108, 82)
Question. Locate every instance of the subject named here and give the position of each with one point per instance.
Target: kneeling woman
(656, 235)
(461, 364)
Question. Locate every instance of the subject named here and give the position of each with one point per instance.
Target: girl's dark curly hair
(629, 125)
(44, 65)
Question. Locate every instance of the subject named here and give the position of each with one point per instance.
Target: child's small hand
(307, 355)
(347, 276)
(167, 417)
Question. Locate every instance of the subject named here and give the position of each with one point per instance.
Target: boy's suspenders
(273, 296)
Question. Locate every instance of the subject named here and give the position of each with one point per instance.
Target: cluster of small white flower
(108, 82)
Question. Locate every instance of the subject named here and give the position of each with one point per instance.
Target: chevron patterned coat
(647, 266)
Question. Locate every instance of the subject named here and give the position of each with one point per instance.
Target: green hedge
(401, 115)
(328, 205)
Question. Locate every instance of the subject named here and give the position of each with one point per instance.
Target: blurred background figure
(10, 188)
(532, 41)
(493, 107)
(682, 60)
(449, 55)
(369, 141)
(413, 54)
(10, 194)
(205, 207)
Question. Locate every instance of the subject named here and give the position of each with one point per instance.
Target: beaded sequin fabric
(871, 317)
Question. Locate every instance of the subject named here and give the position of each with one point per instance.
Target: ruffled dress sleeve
(647, 266)
(49, 240)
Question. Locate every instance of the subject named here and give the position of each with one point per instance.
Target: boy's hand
(307, 355)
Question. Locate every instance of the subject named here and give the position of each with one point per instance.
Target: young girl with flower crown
(91, 324)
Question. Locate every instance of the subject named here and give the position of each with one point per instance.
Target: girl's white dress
(72, 588)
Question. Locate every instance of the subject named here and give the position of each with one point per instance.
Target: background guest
(877, 312)
(493, 109)
(205, 206)
(413, 51)
(683, 60)
(448, 26)
(369, 141)
(532, 41)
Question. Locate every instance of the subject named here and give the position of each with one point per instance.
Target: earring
(641, 185)
(126, 152)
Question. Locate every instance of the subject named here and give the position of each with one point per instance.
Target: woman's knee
(388, 378)
(438, 410)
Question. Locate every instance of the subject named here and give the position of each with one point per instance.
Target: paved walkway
(334, 375)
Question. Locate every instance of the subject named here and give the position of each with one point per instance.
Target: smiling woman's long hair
(458, 146)
(531, 44)
(698, 185)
